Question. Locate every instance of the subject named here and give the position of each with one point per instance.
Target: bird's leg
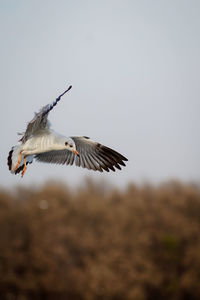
(24, 169)
(19, 160)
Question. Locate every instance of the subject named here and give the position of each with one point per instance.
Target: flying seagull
(39, 141)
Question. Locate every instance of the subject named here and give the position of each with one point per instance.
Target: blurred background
(134, 67)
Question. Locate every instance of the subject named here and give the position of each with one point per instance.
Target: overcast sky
(135, 70)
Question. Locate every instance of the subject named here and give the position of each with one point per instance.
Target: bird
(43, 144)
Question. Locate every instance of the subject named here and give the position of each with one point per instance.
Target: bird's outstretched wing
(40, 119)
(92, 156)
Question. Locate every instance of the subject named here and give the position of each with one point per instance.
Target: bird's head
(70, 145)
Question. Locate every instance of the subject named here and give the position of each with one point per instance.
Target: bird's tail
(13, 158)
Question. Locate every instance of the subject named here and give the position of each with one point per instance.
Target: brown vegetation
(142, 243)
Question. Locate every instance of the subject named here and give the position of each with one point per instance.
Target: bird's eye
(71, 146)
(66, 143)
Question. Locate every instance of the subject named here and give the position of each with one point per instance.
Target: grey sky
(134, 67)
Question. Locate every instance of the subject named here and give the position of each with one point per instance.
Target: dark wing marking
(9, 159)
(40, 119)
(9, 162)
(21, 167)
(92, 156)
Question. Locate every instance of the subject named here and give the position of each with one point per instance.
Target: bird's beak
(76, 152)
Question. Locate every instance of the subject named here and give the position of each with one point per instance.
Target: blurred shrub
(94, 243)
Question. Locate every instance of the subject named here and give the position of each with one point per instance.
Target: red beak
(76, 152)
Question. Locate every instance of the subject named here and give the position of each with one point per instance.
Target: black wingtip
(19, 169)
(69, 88)
(9, 159)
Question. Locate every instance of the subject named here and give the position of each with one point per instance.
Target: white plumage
(39, 141)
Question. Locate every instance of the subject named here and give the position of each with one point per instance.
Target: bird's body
(42, 143)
